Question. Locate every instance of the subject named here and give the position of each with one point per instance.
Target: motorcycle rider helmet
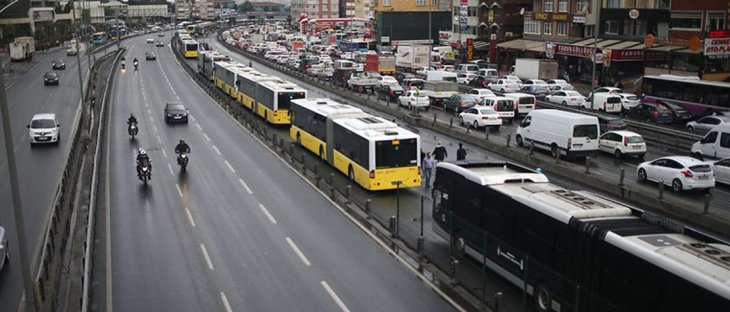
(142, 151)
(131, 115)
(182, 141)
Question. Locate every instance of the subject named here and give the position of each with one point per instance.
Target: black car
(161, 35)
(479, 82)
(60, 64)
(610, 123)
(460, 102)
(649, 112)
(50, 78)
(150, 56)
(176, 112)
(159, 44)
(409, 83)
(679, 113)
(390, 92)
(539, 91)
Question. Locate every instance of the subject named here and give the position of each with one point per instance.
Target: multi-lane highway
(39, 168)
(238, 231)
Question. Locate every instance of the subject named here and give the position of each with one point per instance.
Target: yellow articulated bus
(371, 151)
(189, 48)
(228, 77)
(273, 99)
(248, 83)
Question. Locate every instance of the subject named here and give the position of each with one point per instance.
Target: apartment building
(407, 20)
(315, 8)
(200, 10)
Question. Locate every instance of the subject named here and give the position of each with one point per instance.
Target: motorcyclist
(135, 63)
(142, 157)
(123, 63)
(132, 119)
(182, 147)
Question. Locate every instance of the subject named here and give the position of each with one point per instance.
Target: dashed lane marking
(229, 166)
(334, 296)
(298, 252)
(179, 191)
(266, 212)
(225, 302)
(190, 216)
(245, 186)
(207, 257)
(217, 151)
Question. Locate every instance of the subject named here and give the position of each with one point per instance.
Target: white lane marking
(149, 111)
(298, 252)
(192, 118)
(164, 153)
(229, 166)
(217, 151)
(171, 171)
(245, 186)
(207, 258)
(179, 191)
(154, 127)
(159, 139)
(151, 120)
(334, 296)
(225, 302)
(199, 127)
(266, 212)
(190, 217)
(206, 136)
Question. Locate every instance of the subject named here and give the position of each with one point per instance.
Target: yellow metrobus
(190, 28)
(189, 48)
(371, 151)
(248, 86)
(227, 77)
(273, 100)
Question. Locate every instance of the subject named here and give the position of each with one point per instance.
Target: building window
(386, 2)
(548, 6)
(547, 28)
(562, 29)
(611, 27)
(583, 6)
(420, 2)
(434, 2)
(686, 20)
(532, 27)
(563, 6)
(715, 21)
(663, 4)
(613, 4)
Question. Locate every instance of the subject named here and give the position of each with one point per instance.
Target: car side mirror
(58, 125)
(27, 126)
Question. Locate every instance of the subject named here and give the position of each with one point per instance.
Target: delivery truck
(535, 69)
(383, 64)
(411, 56)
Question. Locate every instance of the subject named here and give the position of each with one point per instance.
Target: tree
(246, 7)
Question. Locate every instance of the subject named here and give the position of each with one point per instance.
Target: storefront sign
(627, 55)
(540, 16)
(573, 50)
(463, 14)
(560, 17)
(579, 19)
(717, 47)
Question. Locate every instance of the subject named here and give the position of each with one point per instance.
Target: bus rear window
(582, 131)
(396, 153)
(286, 97)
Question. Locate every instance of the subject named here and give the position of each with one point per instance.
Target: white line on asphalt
(266, 212)
(206, 136)
(298, 252)
(229, 166)
(179, 191)
(192, 118)
(216, 150)
(332, 294)
(245, 186)
(149, 111)
(190, 217)
(171, 172)
(207, 258)
(225, 302)
(199, 127)
(164, 153)
(150, 117)
(154, 127)
(159, 139)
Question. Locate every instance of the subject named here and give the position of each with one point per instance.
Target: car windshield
(487, 111)
(396, 153)
(468, 97)
(175, 107)
(635, 139)
(589, 131)
(701, 168)
(42, 124)
(51, 75)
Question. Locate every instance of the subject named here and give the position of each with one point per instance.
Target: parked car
(558, 82)
(512, 77)
(460, 102)
(386, 80)
(679, 114)
(409, 83)
(611, 123)
(390, 92)
(706, 124)
(540, 92)
(50, 78)
(649, 112)
(681, 173)
(566, 98)
(721, 168)
(175, 112)
(504, 85)
(560, 87)
(480, 116)
(44, 128)
(622, 143)
(481, 93)
(414, 97)
(538, 82)
(59, 64)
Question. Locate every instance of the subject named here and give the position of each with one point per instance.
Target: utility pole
(594, 81)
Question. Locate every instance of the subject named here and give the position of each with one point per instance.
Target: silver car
(706, 123)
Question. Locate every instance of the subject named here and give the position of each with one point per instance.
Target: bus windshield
(286, 97)
(396, 153)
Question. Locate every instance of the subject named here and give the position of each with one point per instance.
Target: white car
(555, 88)
(314, 70)
(557, 82)
(504, 85)
(282, 59)
(424, 70)
(566, 98)
(629, 100)
(680, 172)
(622, 143)
(44, 128)
(359, 67)
(346, 55)
(721, 168)
(414, 98)
(512, 77)
(481, 93)
(150, 40)
(388, 80)
(480, 116)
(538, 82)
(449, 68)
(465, 78)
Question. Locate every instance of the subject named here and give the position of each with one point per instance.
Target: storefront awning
(520, 44)
(688, 51)
(538, 47)
(625, 45)
(585, 42)
(664, 48)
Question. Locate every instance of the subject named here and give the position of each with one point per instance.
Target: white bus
(574, 250)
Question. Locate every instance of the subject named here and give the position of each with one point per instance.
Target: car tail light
(626, 141)
(655, 113)
(687, 173)
(390, 92)
(372, 174)
(463, 103)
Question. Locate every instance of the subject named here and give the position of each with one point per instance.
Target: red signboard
(573, 50)
(627, 55)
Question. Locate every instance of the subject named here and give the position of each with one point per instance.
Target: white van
(504, 106)
(468, 68)
(714, 145)
(489, 73)
(607, 102)
(525, 102)
(560, 132)
(441, 75)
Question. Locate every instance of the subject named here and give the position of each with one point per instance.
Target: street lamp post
(397, 207)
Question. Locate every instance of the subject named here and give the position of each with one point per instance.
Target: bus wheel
(351, 174)
(542, 298)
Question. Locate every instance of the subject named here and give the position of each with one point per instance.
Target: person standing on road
(439, 152)
(461, 152)
(427, 167)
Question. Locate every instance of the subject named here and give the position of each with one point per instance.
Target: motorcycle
(136, 64)
(182, 160)
(132, 129)
(144, 171)
(123, 66)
